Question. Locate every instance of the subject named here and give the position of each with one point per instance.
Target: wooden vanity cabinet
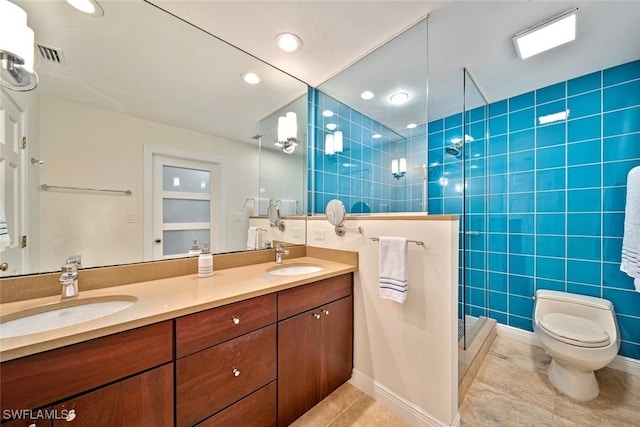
(229, 367)
(114, 371)
(315, 344)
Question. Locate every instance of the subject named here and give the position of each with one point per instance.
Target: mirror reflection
(145, 137)
(370, 133)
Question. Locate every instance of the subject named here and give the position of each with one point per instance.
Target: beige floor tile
(345, 395)
(320, 415)
(367, 412)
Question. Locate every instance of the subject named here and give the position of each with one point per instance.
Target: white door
(12, 131)
(186, 206)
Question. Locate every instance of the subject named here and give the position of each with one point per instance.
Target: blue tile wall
(547, 200)
(361, 176)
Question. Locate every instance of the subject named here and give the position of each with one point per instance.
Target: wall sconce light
(333, 143)
(16, 49)
(399, 167)
(287, 132)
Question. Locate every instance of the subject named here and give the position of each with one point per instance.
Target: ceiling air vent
(51, 54)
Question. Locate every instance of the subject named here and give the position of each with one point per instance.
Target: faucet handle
(74, 259)
(69, 268)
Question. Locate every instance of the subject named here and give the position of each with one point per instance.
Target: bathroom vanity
(262, 360)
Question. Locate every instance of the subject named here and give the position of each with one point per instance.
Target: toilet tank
(598, 310)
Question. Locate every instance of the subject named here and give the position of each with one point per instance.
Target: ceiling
(155, 71)
(472, 34)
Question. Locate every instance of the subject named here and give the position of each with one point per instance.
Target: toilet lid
(574, 330)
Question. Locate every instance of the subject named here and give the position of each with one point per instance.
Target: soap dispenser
(195, 250)
(205, 262)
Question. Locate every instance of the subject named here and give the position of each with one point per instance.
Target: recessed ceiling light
(399, 98)
(551, 33)
(90, 7)
(331, 126)
(288, 42)
(327, 113)
(412, 126)
(376, 136)
(367, 94)
(250, 78)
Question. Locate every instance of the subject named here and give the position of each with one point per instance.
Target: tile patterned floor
(511, 389)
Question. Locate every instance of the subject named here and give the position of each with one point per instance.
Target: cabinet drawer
(208, 328)
(38, 380)
(297, 300)
(256, 410)
(212, 379)
(142, 400)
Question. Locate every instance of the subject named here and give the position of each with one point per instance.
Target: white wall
(294, 231)
(89, 147)
(405, 355)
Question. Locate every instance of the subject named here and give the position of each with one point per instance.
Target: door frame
(149, 152)
(22, 214)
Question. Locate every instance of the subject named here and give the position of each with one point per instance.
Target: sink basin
(293, 269)
(59, 315)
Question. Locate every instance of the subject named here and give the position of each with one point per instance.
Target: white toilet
(581, 335)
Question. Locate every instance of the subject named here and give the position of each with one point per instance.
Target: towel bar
(417, 242)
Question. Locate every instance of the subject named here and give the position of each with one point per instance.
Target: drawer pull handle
(326, 312)
(71, 415)
(317, 316)
(235, 320)
(236, 373)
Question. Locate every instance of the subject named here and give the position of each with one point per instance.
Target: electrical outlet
(318, 234)
(295, 231)
(237, 217)
(132, 217)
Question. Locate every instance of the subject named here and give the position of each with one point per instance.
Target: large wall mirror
(155, 111)
(370, 130)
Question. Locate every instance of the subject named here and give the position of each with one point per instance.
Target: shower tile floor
(510, 389)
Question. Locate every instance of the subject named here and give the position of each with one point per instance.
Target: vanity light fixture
(399, 167)
(412, 126)
(376, 136)
(90, 7)
(288, 42)
(399, 98)
(16, 49)
(546, 35)
(331, 126)
(327, 113)
(287, 132)
(333, 143)
(366, 95)
(250, 78)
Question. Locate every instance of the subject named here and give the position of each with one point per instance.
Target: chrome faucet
(280, 251)
(69, 277)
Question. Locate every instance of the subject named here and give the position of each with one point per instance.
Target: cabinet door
(298, 365)
(142, 400)
(37, 418)
(336, 345)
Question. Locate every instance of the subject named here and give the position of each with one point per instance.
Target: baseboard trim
(621, 363)
(408, 411)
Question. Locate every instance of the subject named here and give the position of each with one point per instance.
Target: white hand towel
(5, 240)
(393, 268)
(260, 206)
(631, 238)
(252, 233)
(288, 207)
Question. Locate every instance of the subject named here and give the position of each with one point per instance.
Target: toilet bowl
(581, 335)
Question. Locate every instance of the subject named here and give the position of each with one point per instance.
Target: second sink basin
(293, 269)
(59, 315)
